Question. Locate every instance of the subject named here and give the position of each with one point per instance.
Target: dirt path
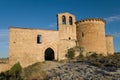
(48, 65)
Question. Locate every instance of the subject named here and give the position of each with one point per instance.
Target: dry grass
(34, 72)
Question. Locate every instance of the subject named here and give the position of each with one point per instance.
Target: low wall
(4, 67)
(4, 60)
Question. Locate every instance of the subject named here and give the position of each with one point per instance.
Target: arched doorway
(49, 54)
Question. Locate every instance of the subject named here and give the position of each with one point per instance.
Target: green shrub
(70, 54)
(94, 55)
(80, 57)
(16, 71)
(13, 74)
(96, 63)
(16, 68)
(2, 76)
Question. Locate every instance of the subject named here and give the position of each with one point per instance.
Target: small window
(39, 39)
(69, 38)
(63, 20)
(82, 34)
(70, 20)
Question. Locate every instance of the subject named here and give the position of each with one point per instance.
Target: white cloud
(113, 18)
(52, 25)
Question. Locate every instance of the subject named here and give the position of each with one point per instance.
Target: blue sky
(42, 14)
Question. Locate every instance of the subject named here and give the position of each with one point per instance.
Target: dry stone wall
(67, 34)
(24, 47)
(91, 35)
(109, 44)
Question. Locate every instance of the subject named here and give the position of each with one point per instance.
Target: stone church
(29, 46)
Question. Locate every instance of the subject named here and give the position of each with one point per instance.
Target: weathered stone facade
(28, 46)
(25, 49)
(109, 44)
(67, 33)
(91, 35)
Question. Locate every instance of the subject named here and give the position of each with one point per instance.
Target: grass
(111, 62)
(34, 72)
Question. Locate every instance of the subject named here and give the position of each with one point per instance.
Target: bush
(96, 63)
(70, 54)
(13, 74)
(81, 57)
(2, 76)
(94, 55)
(16, 71)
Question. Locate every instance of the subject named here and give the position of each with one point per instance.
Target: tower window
(70, 20)
(63, 20)
(82, 34)
(39, 39)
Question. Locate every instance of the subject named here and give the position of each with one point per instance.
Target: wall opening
(70, 20)
(63, 20)
(82, 34)
(39, 39)
(49, 54)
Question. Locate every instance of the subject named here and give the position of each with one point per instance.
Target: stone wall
(67, 34)
(24, 47)
(64, 45)
(91, 35)
(109, 44)
(4, 64)
(66, 30)
(4, 60)
(4, 67)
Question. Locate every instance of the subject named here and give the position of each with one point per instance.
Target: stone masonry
(29, 46)
(91, 35)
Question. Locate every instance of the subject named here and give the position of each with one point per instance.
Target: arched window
(39, 39)
(63, 20)
(70, 20)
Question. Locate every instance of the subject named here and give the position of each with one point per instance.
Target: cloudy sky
(42, 14)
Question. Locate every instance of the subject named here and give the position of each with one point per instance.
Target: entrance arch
(49, 54)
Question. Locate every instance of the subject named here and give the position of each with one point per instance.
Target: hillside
(92, 68)
(89, 68)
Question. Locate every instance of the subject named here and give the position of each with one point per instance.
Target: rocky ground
(77, 70)
(95, 67)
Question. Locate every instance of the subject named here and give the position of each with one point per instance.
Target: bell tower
(66, 26)
(67, 33)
